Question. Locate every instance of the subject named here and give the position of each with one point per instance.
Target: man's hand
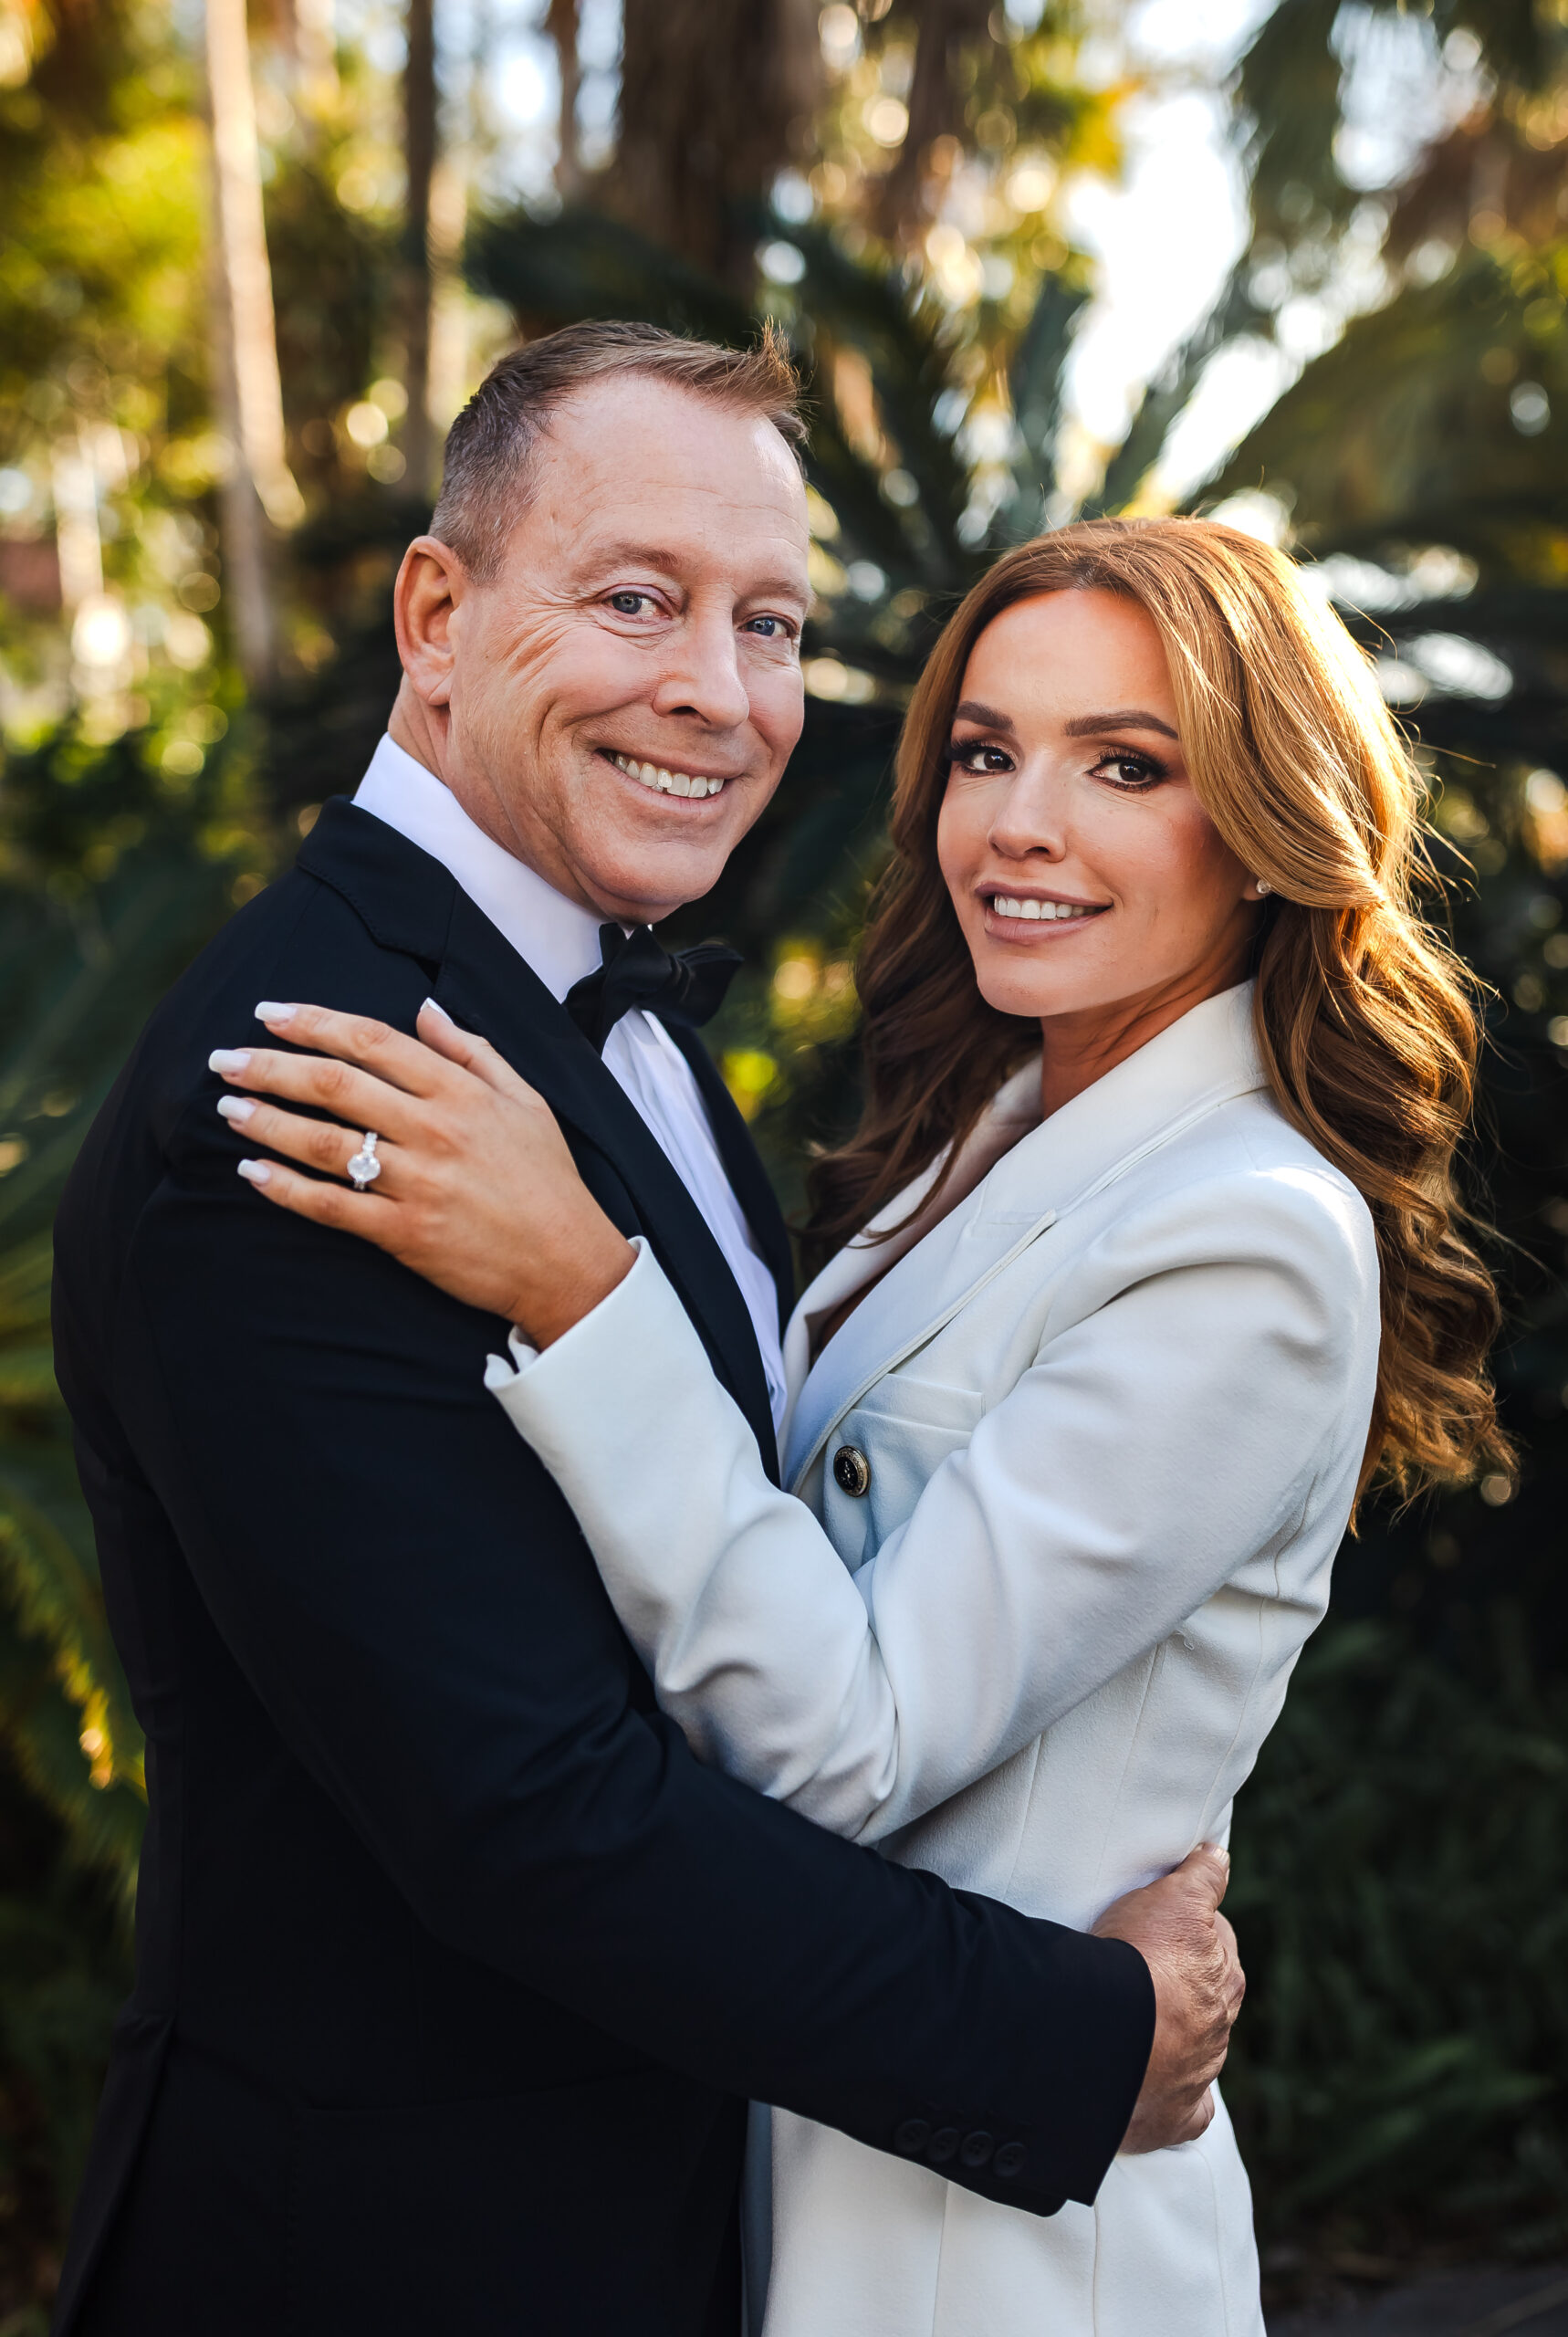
(1190, 1950)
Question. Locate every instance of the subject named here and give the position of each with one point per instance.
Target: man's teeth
(1002, 906)
(666, 782)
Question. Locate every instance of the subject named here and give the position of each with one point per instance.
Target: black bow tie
(687, 987)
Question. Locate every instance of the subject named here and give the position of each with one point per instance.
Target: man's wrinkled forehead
(636, 469)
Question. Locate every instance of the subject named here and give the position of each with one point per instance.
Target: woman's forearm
(1094, 1509)
(708, 1562)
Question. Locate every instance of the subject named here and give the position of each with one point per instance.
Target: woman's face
(1089, 882)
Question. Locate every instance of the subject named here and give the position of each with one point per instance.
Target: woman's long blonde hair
(1364, 1014)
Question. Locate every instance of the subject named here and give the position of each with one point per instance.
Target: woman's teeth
(666, 782)
(1001, 905)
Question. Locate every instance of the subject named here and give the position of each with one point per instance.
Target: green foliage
(1400, 1884)
(1400, 1890)
(101, 232)
(1289, 84)
(110, 878)
(64, 1967)
(333, 274)
(108, 893)
(1437, 501)
(1405, 429)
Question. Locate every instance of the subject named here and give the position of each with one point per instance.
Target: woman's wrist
(569, 1275)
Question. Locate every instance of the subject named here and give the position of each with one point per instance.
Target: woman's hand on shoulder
(472, 1183)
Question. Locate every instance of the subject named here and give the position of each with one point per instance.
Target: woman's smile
(1026, 919)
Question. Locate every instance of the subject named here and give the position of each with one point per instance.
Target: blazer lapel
(1187, 1071)
(923, 1289)
(411, 902)
(742, 1165)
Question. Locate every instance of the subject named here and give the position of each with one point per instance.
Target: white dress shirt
(560, 941)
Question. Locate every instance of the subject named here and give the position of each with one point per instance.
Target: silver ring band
(365, 1167)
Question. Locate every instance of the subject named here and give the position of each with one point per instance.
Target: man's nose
(702, 676)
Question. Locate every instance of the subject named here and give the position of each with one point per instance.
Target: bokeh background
(1302, 263)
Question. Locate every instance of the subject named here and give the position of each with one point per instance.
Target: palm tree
(419, 113)
(247, 385)
(714, 103)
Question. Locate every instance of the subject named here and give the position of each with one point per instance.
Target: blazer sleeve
(1207, 1359)
(408, 1593)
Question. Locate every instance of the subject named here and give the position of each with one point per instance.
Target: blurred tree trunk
(560, 23)
(313, 51)
(248, 390)
(714, 103)
(945, 28)
(418, 274)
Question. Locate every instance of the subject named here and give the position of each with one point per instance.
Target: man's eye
(770, 628)
(631, 605)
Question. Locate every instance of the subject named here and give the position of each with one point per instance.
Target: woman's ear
(430, 585)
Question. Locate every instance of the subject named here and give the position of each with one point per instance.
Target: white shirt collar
(556, 937)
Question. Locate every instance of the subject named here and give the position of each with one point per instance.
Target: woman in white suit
(1144, 1259)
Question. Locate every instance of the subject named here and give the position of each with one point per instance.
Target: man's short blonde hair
(490, 447)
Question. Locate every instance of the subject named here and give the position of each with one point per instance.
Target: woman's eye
(630, 603)
(981, 757)
(1132, 772)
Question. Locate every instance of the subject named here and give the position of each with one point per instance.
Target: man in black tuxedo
(455, 1969)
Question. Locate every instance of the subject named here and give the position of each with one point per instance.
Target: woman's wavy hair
(1364, 1014)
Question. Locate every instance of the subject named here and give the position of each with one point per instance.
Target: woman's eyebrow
(971, 710)
(1125, 718)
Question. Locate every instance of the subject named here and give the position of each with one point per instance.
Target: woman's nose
(1031, 818)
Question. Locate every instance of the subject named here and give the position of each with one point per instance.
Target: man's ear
(431, 584)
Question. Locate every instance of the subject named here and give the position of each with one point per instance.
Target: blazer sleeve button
(1008, 2162)
(851, 1471)
(910, 2138)
(975, 2150)
(942, 2146)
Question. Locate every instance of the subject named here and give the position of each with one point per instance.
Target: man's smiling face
(617, 705)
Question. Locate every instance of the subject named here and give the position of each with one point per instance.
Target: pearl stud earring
(1264, 886)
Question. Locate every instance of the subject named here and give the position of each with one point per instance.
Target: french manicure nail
(236, 1107)
(255, 1172)
(229, 1061)
(436, 1009)
(267, 1010)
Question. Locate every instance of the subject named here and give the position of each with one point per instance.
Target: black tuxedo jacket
(453, 1966)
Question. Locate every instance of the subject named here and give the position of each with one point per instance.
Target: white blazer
(1065, 1490)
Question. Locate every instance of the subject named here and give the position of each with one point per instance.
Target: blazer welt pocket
(907, 1402)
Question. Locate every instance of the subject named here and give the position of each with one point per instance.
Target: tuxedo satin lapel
(411, 902)
(742, 1165)
(401, 894)
(486, 986)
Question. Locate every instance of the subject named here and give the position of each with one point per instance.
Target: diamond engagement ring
(365, 1167)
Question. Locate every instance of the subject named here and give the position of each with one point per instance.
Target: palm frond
(1035, 383)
